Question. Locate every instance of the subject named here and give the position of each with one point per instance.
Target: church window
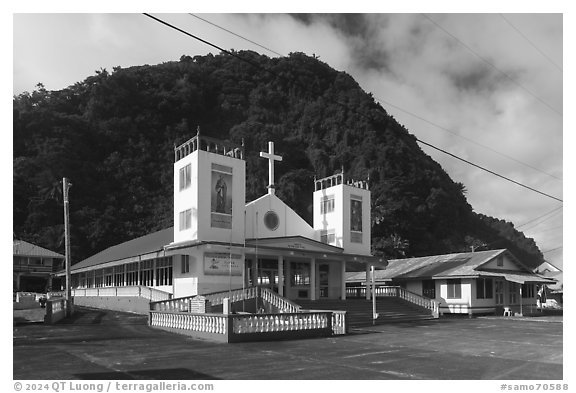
(146, 273)
(91, 279)
(484, 289)
(454, 288)
(327, 204)
(356, 219)
(185, 219)
(185, 177)
(119, 276)
(299, 273)
(132, 274)
(328, 236)
(108, 277)
(185, 264)
(82, 280)
(271, 220)
(164, 271)
(98, 278)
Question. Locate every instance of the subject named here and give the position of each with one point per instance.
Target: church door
(323, 279)
(268, 274)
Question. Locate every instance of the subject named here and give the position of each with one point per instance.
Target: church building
(219, 242)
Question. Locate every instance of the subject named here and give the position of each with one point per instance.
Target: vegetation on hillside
(113, 135)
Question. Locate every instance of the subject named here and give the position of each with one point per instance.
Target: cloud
(472, 74)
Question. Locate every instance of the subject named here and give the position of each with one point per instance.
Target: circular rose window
(271, 220)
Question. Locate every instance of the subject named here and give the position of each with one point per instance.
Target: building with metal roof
(219, 242)
(33, 267)
(471, 283)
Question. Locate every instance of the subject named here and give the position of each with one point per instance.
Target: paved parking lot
(101, 344)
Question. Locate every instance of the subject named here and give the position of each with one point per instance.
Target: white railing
(419, 300)
(151, 294)
(235, 295)
(202, 323)
(246, 327)
(339, 322)
(268, 323)
(182, 304)
(281, 303)
(395, 291)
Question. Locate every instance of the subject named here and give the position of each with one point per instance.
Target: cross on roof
(271, 158)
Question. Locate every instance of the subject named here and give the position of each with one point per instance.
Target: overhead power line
(489, 171)
(553, 249)
(468, 139)
(546, 230)
(541, 222)
(537, 218)
(237, 35)
(493, 66)
(399, 108)
(343, 104)
(531, 43)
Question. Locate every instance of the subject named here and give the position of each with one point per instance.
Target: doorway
(499, 292)
(429, 289)
(264, 274)
(323, 280)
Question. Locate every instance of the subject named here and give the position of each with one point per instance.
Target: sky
(486, 87)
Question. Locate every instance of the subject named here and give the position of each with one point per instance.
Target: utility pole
(66, 186)
(373, 285)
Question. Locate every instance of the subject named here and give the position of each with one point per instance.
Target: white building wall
(455, 306)
(349, 245)
(414, 286)
(333, 220)
(290, 223)
(205, 229)
(339, 219)
(186, 199)
(198, 280)
(507, 264)
(198, 198)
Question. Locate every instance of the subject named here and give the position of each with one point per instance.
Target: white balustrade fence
(215, 299)
(395, 291)
(151, 294)
(247, 327)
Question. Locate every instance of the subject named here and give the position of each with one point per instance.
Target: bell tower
(342, 213)
(209, 191)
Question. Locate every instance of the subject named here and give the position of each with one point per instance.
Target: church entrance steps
(254, 314)
(386, 292)
(251, 300)
(359, 311)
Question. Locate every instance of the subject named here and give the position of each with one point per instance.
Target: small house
(482, 282)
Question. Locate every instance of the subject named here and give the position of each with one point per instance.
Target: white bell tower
(342, 213)
(209, 191)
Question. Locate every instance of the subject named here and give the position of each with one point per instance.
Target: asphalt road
(99, 344)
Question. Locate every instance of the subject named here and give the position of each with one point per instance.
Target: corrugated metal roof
(454, 265)
(143, 245)
(23, 248)
(519, 277)
(435, 268)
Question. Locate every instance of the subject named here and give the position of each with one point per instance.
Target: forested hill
(113, 136)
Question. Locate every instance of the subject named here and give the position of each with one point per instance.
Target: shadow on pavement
(154, 374)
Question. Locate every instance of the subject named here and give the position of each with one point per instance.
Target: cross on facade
(271, 158)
